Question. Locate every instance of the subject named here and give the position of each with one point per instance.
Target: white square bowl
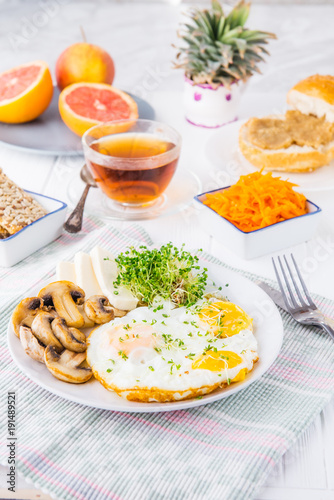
(261, 241)
(36, 235)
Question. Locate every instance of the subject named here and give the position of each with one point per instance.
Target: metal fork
(300, 306)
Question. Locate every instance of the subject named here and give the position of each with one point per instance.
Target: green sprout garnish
(169, 272)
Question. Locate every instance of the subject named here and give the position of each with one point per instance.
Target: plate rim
(125, 406)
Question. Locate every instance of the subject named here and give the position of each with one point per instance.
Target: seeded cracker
(17, 208)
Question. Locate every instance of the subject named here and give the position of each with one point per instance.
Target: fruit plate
(222, 150)
(49, 135)
(268, 329)
(177, 197)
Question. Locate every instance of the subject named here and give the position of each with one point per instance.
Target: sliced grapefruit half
(83, 105)
(25, 92)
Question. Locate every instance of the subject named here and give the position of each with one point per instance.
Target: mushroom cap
(31, 345)
(25, 312)
(64, 297)
(66, 366)
(99, 309)
(71, 338)
(41, 328)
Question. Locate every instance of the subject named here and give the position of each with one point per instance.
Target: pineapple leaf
(216, 7)
(219, 49)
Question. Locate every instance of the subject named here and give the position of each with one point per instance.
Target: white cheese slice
(65, 271)
(85, 275)
(106, 272)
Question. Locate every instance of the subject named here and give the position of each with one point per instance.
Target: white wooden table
(139, 37)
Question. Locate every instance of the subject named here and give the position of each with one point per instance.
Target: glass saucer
(178, 196)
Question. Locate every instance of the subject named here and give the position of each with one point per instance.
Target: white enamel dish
(268, 329)
(262, 241)
(36, 235)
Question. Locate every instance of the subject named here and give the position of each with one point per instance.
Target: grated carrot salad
(257, 200)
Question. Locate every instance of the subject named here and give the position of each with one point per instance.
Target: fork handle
(328, 329)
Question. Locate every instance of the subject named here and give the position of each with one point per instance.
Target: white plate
(268, 329)
(223, 152)
(178, 196)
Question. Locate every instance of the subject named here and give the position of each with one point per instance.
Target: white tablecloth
(139, 37)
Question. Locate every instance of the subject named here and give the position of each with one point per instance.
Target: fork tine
(307, 293)
(279, 281)
(294, 283)
(292, 297)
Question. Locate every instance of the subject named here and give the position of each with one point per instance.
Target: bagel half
(314, 96)
(292, 159)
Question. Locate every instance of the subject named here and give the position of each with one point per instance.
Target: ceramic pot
(211, 108)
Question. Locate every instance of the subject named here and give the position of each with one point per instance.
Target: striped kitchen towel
(224, 450)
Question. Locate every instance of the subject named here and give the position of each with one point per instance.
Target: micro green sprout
(169, 272)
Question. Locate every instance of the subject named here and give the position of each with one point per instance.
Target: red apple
(84, 62)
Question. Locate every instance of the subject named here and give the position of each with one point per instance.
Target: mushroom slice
(66, 366)
(88, 322)
(64, 297)
(119, 313)
(98, 309)
(31, 345)
(71, 338)
(41, 328)
(25, 312)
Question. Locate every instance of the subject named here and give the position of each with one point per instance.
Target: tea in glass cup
(132, 161)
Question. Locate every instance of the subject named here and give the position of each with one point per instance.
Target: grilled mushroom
(98, 309)
(71, 338)
(41, 328)
(66, 366)
(25, 312)
(119, 313)
(64, 297)
(31, 345)
(88, 322)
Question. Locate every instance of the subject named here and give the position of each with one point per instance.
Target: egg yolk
(127, 338)
(224, 319)
(217, 361)
(241, 375)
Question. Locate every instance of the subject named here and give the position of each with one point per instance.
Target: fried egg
(165, 354)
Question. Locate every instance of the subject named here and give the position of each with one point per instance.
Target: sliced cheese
(65, 271)
(85, 275)
(106, 272)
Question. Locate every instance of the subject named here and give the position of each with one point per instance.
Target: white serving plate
(268, 330)
(36, 235)
(264, 241)
(222, 150)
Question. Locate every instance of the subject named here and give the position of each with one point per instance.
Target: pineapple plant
(219, 49)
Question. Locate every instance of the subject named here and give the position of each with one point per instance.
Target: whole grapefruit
(25, 92)
(84, 62)
(83, 105)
